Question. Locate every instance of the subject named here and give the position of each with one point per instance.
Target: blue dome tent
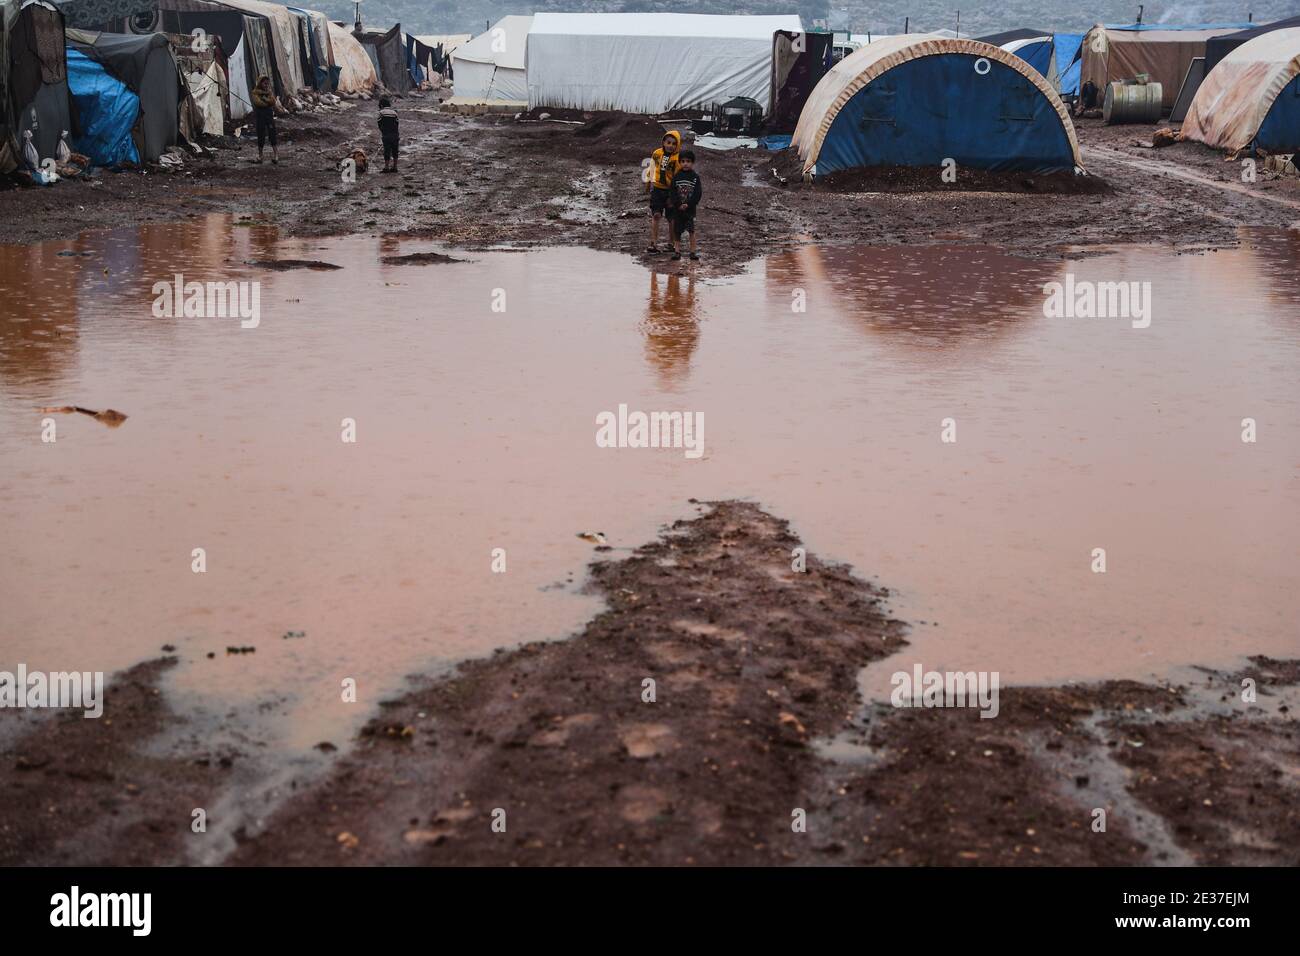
(918, 100)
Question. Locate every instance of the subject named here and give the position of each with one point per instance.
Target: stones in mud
(290, 635)
(240, 650)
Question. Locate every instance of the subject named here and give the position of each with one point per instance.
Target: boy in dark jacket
(388, 130)
(683, 196)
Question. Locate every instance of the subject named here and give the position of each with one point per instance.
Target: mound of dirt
(929, 179)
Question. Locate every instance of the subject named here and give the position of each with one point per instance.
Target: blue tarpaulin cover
(1068, 61)
(107, 111)
(926, 110)
(1037, 55)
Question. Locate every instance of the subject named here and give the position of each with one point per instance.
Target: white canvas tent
(649, 62)
(356, 72)
(491, 66)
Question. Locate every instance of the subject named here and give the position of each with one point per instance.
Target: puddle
(476, 430)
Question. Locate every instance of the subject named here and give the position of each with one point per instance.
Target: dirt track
(479, 181)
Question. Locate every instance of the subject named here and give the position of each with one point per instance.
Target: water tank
(1132, 103)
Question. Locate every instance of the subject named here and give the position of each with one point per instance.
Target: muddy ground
(756, 712)
(755, 716)
(478, 181)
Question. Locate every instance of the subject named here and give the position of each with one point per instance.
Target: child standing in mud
(683, 197)
(388, 132)
(264, 117)
(664, 163)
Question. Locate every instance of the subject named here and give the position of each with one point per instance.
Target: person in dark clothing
(388, 131)
(264, 116)
(683, 196)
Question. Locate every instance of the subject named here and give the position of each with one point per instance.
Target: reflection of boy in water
(671, 329)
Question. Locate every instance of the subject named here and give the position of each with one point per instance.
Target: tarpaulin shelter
(388, 53)
(1068, 61)
(1216, 48)
(799, 61)
(241, 40)
(491, 65)
(1039, 52)
(918, 100)
(33, 81)
(284, 38)
(356, 72)
(1162, 52)
(146, 65)
(650, 62)
(1252, 98)
(106, 111)
(316, 48)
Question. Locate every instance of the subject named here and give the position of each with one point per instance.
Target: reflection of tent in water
(917, 101)
(671, 327)
(921, 296)
(1252, 97)
(33, 81)
(39, 356)
(147, 67)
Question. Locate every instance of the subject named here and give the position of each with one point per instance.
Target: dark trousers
(390, 149)
(265, 118)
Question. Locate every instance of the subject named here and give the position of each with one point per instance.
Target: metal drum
(1132, 103)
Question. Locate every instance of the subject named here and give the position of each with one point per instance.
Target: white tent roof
(691, 25)
(1015, 45)
(1237, 94)
(511, 43)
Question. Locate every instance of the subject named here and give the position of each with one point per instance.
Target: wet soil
(488, 180)
(754, 716)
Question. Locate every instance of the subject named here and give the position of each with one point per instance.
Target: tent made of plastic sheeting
(388, 53)
(1251, 97)
(314, 49)
(491, 66)
(322, 48)
(917, 101)
(241, 40)
(205, 90)
(33, 81)
(356, 72)
(1216, 48)
(284, 43)
(148, 68)
(1068, 62)
(1038, 52)
(1163, 53)
(799, 61)
(106, 112)
(650, 62)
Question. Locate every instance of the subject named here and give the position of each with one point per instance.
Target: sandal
(653, 250)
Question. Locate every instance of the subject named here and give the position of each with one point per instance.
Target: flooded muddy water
(475, 389)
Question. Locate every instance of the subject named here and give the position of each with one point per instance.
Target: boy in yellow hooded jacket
(663, 167)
